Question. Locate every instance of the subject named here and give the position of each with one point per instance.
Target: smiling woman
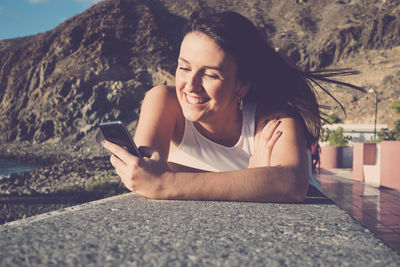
(207, 87)
(237, 125)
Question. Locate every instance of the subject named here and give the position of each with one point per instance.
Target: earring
(240, 104)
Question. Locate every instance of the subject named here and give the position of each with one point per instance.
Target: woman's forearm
(264, 184)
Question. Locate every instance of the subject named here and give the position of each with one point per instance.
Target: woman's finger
(270, 146)
(119, 151)
(262, 138)
(269, 129)
(122, 172)
(149, 152)
(117, 162)
(271, 142)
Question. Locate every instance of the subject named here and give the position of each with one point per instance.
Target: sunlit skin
(207, 91)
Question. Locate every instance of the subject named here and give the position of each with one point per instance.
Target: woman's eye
(212, 76)
(184, 69)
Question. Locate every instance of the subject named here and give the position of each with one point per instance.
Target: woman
(237, 125)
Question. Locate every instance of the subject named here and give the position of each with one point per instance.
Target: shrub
(354, 43)
(71, 188)
(335, 137)
(396, 107)
(103, 188)
(386, 134)
(106, 188)
(334, 118)
(325, 134)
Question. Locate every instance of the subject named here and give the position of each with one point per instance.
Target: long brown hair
(274, 81)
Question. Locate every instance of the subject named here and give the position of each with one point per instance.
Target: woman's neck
(226, 133)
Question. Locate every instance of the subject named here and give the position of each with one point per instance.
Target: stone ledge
(131, 230)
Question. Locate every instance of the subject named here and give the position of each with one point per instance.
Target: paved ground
(376, 208)
(131, 230)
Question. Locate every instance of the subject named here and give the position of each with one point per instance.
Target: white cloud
(88, 2)
(37, 1)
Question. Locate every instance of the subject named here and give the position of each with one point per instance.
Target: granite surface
(131, 230)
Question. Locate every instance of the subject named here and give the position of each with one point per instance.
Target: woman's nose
(194, 83)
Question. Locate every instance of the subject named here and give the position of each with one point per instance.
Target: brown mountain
(97, 65)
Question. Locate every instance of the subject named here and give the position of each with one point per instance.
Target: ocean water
(8, 167)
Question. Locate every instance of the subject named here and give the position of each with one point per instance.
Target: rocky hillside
(97, 65)
(94, 66)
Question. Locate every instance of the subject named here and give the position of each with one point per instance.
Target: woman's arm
(284, 178)
(285, 181)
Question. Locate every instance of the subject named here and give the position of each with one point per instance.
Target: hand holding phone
(116, 132)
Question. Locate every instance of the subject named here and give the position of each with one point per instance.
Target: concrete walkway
(131, 230)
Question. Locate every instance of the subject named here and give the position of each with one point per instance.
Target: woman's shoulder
(291, 124)
(266, 113)
(161, 100)
(290, 120)
(162, 96)
(164, 92)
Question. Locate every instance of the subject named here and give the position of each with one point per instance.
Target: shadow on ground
(314, 196)
(22, 206)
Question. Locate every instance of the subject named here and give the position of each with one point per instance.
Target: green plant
(396, 107)
(397, 129)
(334, 118)
(335, 137)
(353, 43)
(71, 188)
(325, 134)
(104, 188)
(386, 134)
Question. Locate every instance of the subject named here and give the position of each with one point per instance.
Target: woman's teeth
(196, 100)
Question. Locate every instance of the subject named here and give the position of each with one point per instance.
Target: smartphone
(116, 132)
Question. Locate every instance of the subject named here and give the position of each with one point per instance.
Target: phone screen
(116, 132)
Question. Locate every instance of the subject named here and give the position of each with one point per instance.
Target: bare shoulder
(287, 117)
(290, 148)
(160, 105)
(162, 94)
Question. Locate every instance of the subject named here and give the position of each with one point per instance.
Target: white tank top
(197, 151)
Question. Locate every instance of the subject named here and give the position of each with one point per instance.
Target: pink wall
(390, 164)
(331, 157)
(363, 154)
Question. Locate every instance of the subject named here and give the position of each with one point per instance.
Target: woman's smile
(196, 100)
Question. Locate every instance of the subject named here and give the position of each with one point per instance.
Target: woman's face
(206, 84)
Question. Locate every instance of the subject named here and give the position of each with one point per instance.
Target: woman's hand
(264, 142)
(142, 175)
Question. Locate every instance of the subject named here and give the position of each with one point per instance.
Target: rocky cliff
(94, 66)
(97, 65)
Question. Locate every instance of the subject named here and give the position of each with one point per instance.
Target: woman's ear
(243, 89)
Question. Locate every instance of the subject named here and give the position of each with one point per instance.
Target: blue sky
(20, 18)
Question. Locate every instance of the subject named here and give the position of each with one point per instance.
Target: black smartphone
(116, 132)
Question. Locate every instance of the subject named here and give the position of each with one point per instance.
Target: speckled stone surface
(131, 230)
